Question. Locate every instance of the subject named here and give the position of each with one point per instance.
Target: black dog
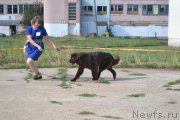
(95, 61)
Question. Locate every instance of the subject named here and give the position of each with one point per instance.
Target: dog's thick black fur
(95, 61)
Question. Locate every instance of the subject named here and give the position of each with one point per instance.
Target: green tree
(31, 10)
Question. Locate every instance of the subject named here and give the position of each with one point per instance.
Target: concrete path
(46, 100)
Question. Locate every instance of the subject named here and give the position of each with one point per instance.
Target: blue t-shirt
(36, 34)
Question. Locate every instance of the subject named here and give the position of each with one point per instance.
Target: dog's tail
(116, 60)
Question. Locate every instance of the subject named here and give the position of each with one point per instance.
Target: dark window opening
(116, 9)
(87, 10)
(1, 9)
(101, 10)
(132, 9)
(72, 11)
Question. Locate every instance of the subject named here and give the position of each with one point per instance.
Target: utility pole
(109, 14)
(95, 11)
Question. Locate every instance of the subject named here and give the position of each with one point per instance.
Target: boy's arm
(29, 38)
(52, 43)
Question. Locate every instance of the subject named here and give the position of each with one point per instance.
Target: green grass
(137, 95)
(176, 82)
(172, 102)
(78, 84)
(87, 95)
(177, 89)
(62, 73)
(112, 117)
(169, 88)
(86, 113)
(104, 81)
(111, 42)
(170, 84)
(137, 74)
(126, 71)
(11, 80)
(129, 59)
(18, 41)
(167, 85)
(56, 102)
(28, 78)
(65, 85)
(91, 113)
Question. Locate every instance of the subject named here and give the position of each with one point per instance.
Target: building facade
(11, 13)
(62, 17)
(174, 24)
(142, 18)
(134, 18)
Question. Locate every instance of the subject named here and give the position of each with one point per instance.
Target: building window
(15, 9)
(9, 7)
(155, 9)
(72, 11)
(163, 9)
(12, 9)
(1, 9)
(148, 10)
(132, 9)
(116, 9)
(101, 10)
(87, 10)
(21, 9)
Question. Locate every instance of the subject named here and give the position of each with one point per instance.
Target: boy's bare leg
(32, 66)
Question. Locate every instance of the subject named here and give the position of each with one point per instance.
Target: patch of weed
(137, 95)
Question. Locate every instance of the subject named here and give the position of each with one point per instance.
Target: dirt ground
(46, 100)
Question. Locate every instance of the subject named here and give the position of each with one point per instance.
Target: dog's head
(74, 58)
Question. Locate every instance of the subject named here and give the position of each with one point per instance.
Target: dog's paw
(73, 80)
(94, 79)
(114, 77)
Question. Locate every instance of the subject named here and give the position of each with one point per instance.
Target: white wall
(74, 29)
(102, 30)
(136, 31)
(88, 27)
(60, 30)
(5, 30)
(174, 24)
(7, 17)
(77, 29)
(56, 30)
(140, 31)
